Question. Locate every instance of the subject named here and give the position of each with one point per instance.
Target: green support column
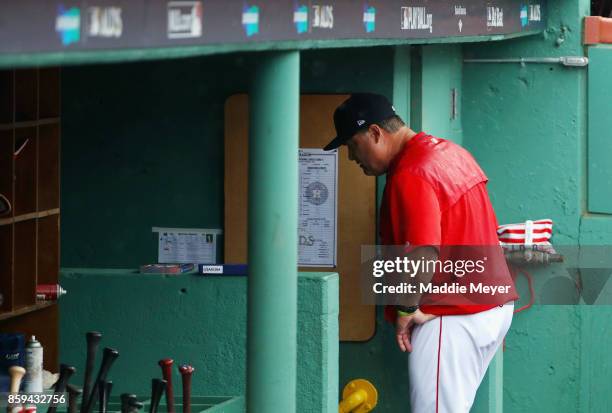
(401, 103)
(273, 219)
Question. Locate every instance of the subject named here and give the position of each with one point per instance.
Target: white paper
(318, 208)
(187, 245)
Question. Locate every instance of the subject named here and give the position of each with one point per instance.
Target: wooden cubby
(30, 180)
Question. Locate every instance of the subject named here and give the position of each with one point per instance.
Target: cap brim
(335, 143)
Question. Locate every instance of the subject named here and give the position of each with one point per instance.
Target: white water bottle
(33, 380)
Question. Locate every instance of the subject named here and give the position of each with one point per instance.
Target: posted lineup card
(318, 207)
(187, 245)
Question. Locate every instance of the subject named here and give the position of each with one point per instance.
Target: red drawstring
(531, 291)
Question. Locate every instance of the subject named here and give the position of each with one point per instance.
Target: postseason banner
(28, 26)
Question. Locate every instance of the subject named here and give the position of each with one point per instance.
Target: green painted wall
(142, 145)
(600, 106)
(195, 320)
(526, 125)
(441, 72)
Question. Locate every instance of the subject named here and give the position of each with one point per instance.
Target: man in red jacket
(435, 197)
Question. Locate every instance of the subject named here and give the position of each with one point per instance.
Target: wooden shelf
(30, 126)
(29, 123)
(26, 217)
(5, 315)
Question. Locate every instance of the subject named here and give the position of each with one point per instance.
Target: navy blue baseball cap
(358, 112)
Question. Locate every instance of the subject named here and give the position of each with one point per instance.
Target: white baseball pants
(450, 357)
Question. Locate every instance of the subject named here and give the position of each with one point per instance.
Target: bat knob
(186, 370)
(66, 370)
(134, 406)
(16, 371)
(126, 400)
(93, 336)
(165, 362)
(110, 352)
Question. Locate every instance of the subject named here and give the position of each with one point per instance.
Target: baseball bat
(104, 394)
(16, 373)
(60, 386)
(108, 358)
(186, 373)
(166, 366)
(157, 389)
(93, 339)
(73, 397)
(126, 398)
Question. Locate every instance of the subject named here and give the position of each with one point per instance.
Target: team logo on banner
(250, 20)
(68, 24)
(369, 18)
(323, 16)
(416, 18)
(184, 19)
(524, 16)
(300, 19)
(104, 22)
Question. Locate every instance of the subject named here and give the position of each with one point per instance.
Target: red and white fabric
(527, 234)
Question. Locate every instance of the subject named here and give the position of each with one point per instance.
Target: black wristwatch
(407, 309)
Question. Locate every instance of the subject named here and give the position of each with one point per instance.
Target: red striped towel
(527, 234)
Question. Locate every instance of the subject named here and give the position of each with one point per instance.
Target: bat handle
(104, 393)
(73, 395)
(16, 373)
(166, 367)
(186, 373)
(93, 339)
(108, 358)
(60, 386)
(157, 389)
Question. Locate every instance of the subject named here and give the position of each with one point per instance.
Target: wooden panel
(48, 249)
(25, 171)
(25, 263)
(236, 179)
(48, 167)
(356, 225)
(6, 96)
(26, 95)
(49, 98)
(6, 266)
(42, 323)
(6, 165)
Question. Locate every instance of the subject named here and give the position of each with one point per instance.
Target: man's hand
(405, 324)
